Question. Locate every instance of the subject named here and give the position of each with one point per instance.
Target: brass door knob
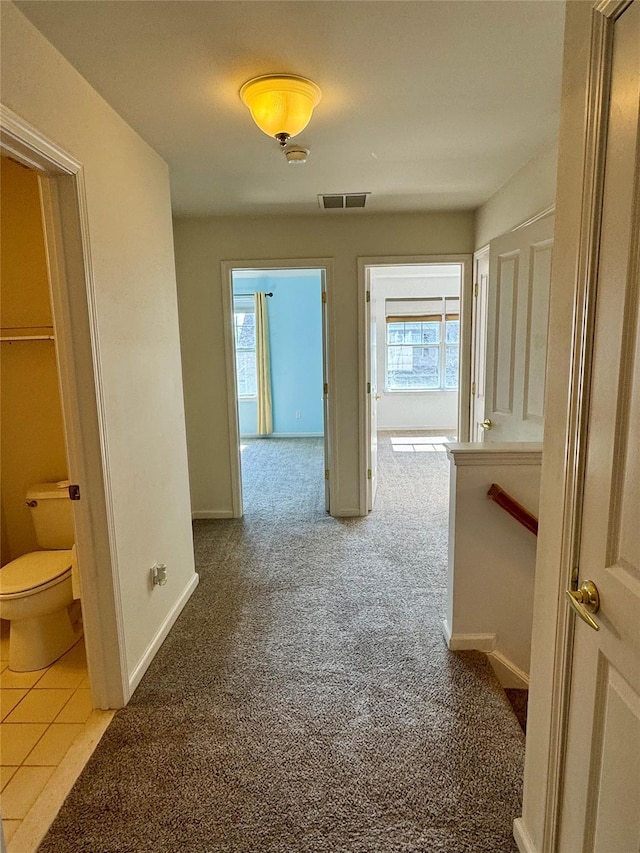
(585, 601)
(486, 424)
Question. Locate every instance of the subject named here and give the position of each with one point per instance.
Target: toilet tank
(52, 515)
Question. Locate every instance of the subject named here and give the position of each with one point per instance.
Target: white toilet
(37, 591)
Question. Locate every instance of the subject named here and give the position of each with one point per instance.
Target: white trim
(161, 634)
(611, 8)
(464, 386)
(347, 512)
(568, 374)
(204, 514)
(468, 642)
(507, 453)
(233, 418)
(522, 837)
(26, 144)
(227, 269)
(548, 211)
(66, 228)
(507, 673)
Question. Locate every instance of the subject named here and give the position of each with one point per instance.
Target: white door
(479, 344)
(517, 320)
(600, 803)
(372, 388)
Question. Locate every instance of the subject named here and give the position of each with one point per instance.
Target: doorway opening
(62, 205)
(415, 362)
(278, 371)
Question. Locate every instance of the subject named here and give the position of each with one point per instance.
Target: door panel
(518, 307)
(536, 340)
(505, 333)
(601, 794)
(614, 794)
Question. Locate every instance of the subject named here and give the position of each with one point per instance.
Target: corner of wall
(528, 192)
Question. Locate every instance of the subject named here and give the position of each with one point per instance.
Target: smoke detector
(296, 154)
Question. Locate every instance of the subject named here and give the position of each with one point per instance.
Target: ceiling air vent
(345, 200)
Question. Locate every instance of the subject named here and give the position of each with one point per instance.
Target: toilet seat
(34, 572)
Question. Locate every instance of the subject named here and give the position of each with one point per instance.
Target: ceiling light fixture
(281, 105)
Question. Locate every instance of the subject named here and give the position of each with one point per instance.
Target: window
(244, 324)
(423, 340)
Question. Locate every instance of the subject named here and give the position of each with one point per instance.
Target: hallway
(305, 700)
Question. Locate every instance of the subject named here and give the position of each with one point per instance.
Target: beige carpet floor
(305, 701)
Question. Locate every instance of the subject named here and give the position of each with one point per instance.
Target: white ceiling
(427, 104)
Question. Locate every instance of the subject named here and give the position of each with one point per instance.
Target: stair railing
(510, 505)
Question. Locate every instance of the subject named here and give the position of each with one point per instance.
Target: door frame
(325, 265)
(73, 298)
(572, 317)
(479, 312)
(364, 349)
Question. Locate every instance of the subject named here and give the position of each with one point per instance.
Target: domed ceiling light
(281, 105)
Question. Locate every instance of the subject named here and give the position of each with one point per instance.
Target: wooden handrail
(515, 509)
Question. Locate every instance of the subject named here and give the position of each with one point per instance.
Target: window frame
(244, 304)
(442, 318)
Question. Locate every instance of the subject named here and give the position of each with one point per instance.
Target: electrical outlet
(298, 415)
(159, 574)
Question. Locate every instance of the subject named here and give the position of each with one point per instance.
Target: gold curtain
(263, 367)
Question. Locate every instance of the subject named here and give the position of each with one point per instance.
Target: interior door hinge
(325, 389)
(324, 297)
(475, 289)
(369, 474)
(326, 474)
(473, 387)
(368, 387)
(368, 296)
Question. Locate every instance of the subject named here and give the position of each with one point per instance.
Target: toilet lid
(33, 570)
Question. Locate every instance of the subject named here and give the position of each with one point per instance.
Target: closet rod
(252, 293)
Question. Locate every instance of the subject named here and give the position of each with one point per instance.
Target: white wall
(492, 557)
(136, 326)
(411, 409)
(530, 191)
(201, 244)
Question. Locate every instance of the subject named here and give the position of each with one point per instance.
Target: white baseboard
(348, 512)
(211, 513)
(522, 837)
(509, 675)
(156, 642)
(468, 642)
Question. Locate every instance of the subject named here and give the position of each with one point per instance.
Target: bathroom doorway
(62, 204)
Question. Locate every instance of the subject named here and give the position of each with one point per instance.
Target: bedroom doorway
(414, 358)
(277, 359)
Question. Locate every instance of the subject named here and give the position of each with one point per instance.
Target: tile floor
(43, 714)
